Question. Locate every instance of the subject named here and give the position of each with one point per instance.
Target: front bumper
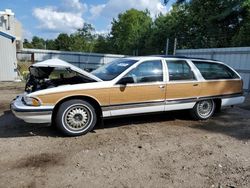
(31, 114)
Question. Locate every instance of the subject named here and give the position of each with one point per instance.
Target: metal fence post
(175, 45)
(167, 46)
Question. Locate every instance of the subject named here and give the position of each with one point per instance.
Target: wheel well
(86, 98)
(217, 104)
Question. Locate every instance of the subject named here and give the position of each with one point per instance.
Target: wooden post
(32, 58)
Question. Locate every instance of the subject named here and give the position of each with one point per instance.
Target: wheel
(203, 109)
(75, 117)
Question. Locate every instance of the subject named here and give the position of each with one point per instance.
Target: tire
(203, 110)
(75, 117)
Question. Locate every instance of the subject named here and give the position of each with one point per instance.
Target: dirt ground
(160, 150)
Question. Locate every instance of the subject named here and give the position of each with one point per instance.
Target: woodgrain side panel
(202, 89)
(136, 94)
(145, 93)
(183, 90)
(100, 95)
(221, 87)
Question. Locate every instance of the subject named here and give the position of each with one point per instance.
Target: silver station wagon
(73, 99)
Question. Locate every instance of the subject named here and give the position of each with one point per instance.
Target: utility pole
(167, 46)
(175, 45)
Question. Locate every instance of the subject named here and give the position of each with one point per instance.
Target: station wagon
(74, 100)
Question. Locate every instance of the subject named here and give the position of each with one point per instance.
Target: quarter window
(212, 71)
(149, 71)
(179, 70)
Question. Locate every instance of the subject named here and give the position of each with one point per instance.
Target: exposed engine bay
(48, 77)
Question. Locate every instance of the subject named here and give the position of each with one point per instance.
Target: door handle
(195, 84)
(161, 86)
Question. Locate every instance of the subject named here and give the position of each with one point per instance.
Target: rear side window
(213, 71)
(179, 70)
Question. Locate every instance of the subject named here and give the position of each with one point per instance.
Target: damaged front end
(53, 73)
(44, 75)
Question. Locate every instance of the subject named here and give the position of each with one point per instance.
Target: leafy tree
(214, 22)
(83, 39)
(174, 24)
(242, 37)
(50, 44)
(86, 32)
(38, 42)
(103, 44)
(195, 24)
(129, 31)
(27, 44)
(200, 24)
(63, 42)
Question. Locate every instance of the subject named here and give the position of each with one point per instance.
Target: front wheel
(75, 117)
(203, 109)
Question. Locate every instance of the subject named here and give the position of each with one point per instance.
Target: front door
(145, 94)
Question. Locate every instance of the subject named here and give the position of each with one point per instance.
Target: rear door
(183, 85)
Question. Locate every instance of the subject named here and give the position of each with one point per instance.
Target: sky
(48, 18)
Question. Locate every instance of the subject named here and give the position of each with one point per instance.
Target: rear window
(213, 71)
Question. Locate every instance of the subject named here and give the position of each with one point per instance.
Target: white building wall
(7, 60)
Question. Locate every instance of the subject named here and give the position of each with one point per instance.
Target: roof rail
(176, 56)
(169, 56)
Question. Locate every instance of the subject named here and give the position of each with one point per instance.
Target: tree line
(194, 23)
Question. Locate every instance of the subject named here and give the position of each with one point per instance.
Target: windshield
(113, 69)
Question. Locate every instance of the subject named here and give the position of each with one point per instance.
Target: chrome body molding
(132, 105)
(196, 99)
(31, 114)
(167, 105)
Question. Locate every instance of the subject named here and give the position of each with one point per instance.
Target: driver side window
(148, 71)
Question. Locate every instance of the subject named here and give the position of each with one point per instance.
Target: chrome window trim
(196, 71)
(222, 80)
(145, 83)
(140, 84)
(197, 79)
(165, 71)
(183, 82)
(217, 62)
(115, 80)
(202, 81)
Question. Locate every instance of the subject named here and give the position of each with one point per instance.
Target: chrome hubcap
(77, 117)
(205, 108)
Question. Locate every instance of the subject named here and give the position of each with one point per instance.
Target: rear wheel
(203, 109)
(75, 117)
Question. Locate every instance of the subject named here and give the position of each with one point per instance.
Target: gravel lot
(160, 150)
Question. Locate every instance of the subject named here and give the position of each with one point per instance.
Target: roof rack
(176, 56)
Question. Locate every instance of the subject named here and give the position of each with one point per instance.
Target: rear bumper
(31, 114)
(232, 101)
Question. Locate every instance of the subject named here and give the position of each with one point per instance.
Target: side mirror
(126, 80)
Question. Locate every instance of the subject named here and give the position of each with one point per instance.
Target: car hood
(63, 64)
